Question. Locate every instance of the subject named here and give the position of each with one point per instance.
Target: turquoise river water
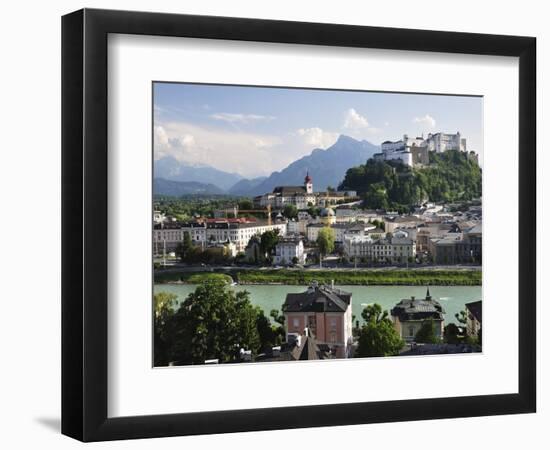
(269, 297)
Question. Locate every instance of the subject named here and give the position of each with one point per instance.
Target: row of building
(403, 239)
(431, 231)
(413, 151)
(205, 232)
(323, 314)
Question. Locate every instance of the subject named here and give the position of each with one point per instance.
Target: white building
(289, 248)
(441, 142)
(394, 250)
(341, 230)
(404, 156)
(297, 227)
(413, 151)
(302, 196)
(213, 231)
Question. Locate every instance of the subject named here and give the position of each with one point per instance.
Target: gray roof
(375, 231)
(404, 219)
(318, 299)
(309, 349)
(418, 309)
(289, 190)
(475, 309)
(401, 241)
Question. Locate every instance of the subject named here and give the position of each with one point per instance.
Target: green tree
(376, 197)
(277, 318)
(268, 241)
(246, 204)
(378, 336)
(163, 304)
(450, 176)
(462, 317)
(214, 322)
(426, 334)
(184, 248)
(325, 242)
(290, 211)
(312, 210)
(452, 334)
(270, 335)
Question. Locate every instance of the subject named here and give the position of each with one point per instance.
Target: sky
(254, 131)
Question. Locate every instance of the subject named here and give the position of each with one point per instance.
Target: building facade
(205, 233)
(323, 312)
(410, 314)
(396, 250)
(415, 151)
(290, 250)
(473, 318)
(302, 196)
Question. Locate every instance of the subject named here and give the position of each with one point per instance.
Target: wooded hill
(451, 176)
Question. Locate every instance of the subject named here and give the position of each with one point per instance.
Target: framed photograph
(272, 225)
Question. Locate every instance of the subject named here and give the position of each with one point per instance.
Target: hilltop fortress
(414, 151)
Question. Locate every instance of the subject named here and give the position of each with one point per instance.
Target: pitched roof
(418, 309)
(289, 190)
(318, 299)
(475, 309)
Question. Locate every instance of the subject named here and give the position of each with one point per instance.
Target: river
(269, 297)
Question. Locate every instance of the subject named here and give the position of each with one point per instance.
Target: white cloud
(316, 137)
(354, 120)
(249, 154)
(426, 120)
(240, 118)
(358, 126)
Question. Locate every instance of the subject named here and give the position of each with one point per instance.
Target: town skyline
(254, 131)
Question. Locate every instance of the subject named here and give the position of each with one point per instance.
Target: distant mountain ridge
(326, 167)
(179, 188)
(169, 168)
(242, 187)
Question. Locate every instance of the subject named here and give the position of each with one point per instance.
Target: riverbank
(390, 277)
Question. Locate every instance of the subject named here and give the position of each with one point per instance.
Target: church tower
(308, 183)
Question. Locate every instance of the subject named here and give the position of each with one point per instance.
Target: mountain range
(326, 167)
(179, 188)
(171, 169)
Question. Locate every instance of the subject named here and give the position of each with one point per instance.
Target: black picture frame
(84, 224)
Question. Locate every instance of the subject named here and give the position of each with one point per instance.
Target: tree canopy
(377, 337)
(325, 240)
(450, 176)
(426, 334)
(290, 211)
(164, 304)
(268, 241)
(213, 322)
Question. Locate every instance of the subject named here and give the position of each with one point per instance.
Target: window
(295, 322)
(411, 331)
